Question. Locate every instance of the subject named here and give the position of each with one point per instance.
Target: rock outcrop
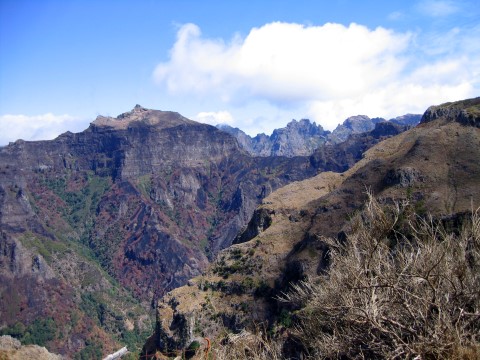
(465, 112)
(12, 349)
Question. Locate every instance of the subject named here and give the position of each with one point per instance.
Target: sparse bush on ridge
(392, 295)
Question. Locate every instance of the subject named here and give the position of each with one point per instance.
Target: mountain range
(97, 226)
(302, 138)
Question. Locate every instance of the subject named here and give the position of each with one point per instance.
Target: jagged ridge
(302, 138)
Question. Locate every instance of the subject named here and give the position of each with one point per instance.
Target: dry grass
(298, 194)
(246, 345)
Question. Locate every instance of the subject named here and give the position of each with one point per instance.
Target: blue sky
(252, 64)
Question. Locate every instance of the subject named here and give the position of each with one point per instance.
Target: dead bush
(394, 294)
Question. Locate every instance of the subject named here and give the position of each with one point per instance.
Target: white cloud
(438, 8)
(382, 103)
(325, 72)
(283, 62)
(39, 127)
(215, 118)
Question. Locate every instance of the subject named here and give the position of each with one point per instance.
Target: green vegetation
(94, 306)
(39, 332)
(43, 246)
(237, 263)
(134, 339)
(144, 184)
(92, 351)
(81, 204)
(204, 245)
(192, 349)
(285, 318)
(111, 239)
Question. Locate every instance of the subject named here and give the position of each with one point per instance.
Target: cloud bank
(324, 72)
(215, 117)
(39, 127)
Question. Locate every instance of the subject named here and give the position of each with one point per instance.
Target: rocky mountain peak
(297, 138)
(162, 119)
(466, 112)
(138, 109)
(303, 137)
(353, 125)
(303, 126)
(358, 123)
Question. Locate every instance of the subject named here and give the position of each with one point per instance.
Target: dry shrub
(247, 345)
(413, 293)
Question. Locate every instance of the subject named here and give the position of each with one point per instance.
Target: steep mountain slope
(434, 166)
(130, 203)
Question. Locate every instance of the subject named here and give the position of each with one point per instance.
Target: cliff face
(433, 166)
